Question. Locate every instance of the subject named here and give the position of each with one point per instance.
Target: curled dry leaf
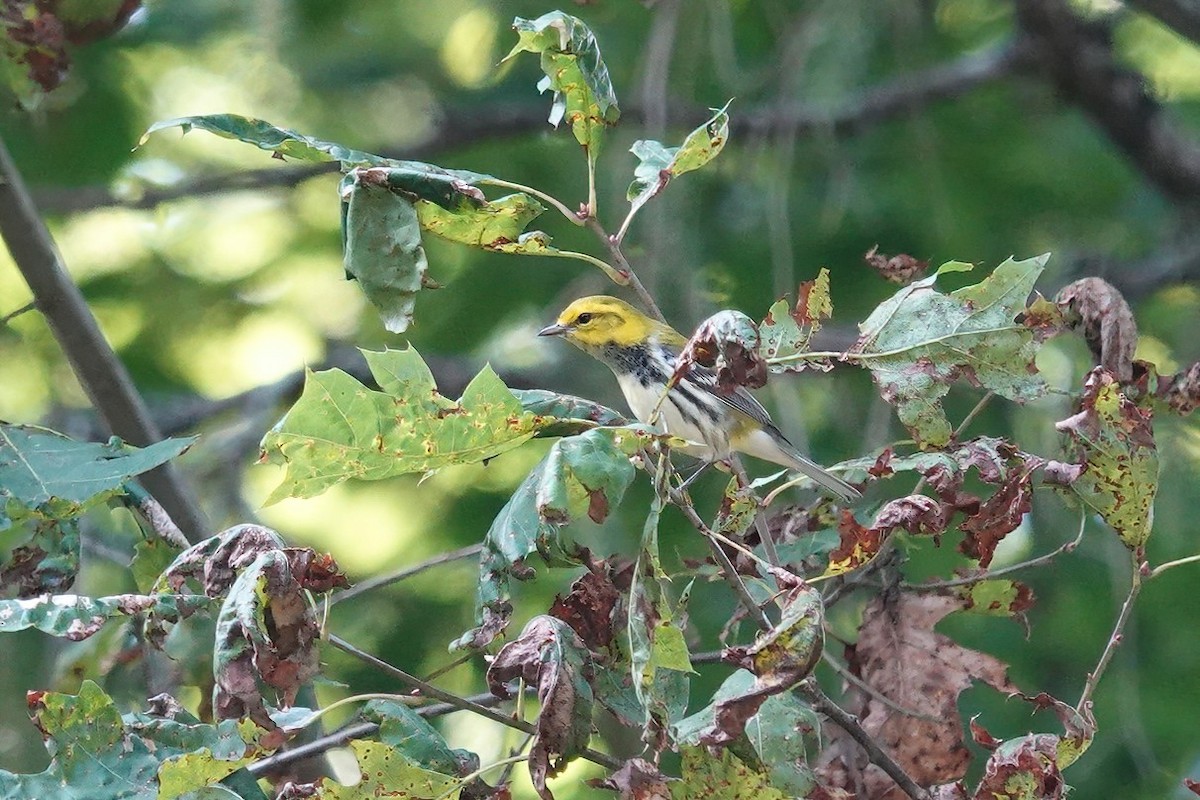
(903, 659)
(901, 268)
(727, 342)
(549, 655)
(779, 658)
(1181, 391)
(1095, 307)
(588, 607)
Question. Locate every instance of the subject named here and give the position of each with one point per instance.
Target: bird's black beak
(553, 330)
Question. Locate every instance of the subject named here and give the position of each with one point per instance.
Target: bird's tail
(763, 444)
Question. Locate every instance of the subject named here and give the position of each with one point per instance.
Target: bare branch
(404, 573)
(1114, 639)
(1182, 16)
(93, 361)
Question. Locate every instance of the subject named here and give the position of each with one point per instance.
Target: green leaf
(46, 563)
(97, 753)
(588, 473)
(658, 164)
(550, 655)
(1114, 441)
(76, 617)
(489, 225)
(340, 429)
(920, 341)
(268, 137)
(563, 414)
(414, 738)
(570, 58)
(387, 773)
(786, 332)
(998, 597)
(46, 475)
(720, 776)
(381, 240)
(151, 557)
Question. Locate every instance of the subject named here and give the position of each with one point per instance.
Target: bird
(642, 352)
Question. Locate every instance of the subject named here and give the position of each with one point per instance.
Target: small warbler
(642, 353)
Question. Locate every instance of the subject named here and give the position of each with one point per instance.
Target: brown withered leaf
(549, 655)
(1181, 391)
(588, 607)
(915, 513)
(637, 779)
(1192, 785)
(1099, 311)
(997, 517)
(859, 544)
(724, 349)
(902, 658)
(902, 268)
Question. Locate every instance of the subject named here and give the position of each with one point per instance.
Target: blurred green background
(207, 297)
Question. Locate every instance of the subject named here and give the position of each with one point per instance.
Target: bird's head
(592, 323)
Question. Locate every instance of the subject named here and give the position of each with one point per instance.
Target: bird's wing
(739, 400)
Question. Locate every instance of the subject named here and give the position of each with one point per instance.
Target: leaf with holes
(786, 332)
(1114, 441)
(584, 474)
(574, 70)
(564, 414)
(920, 341)
(340, 429)
(75, 617)
(658, 164)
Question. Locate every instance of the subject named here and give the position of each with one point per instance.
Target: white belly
(642, 402)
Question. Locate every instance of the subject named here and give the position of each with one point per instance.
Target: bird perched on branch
(643, 354)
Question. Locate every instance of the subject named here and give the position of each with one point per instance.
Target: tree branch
(1076, 55)
(1182, 16)
(407, 572)
(102, 375)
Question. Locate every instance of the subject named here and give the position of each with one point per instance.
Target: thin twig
(844, 672)
(614, 250)
(313, 748)
(760, 519)
(10, 316)
(405, 572)
(1114, 639)
(1039, 561)
(156, 516)
(460, 703)
(100, 372)
(1161, 568)
(821, 703)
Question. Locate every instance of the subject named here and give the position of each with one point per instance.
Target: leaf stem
(821, 702)
(614, 274)
(155, 515)
(554, 201)
(460, 703)
(1114, 639)
(1161, 568)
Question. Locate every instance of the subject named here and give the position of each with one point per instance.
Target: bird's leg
(695, 474)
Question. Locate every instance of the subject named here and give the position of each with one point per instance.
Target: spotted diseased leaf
(997, 597)
(723, 776)
(637, 779)
(779, 658)
(902, 658)
(385, 772)
(486, 225)
(95, 752)
(920, 341)
(1023, 769)
(574, 71)
(858, 544)
(550, 656)
(266, 636)
(1079, 727)
(1095, 308)
(340, 429)
(901, 268)
(75, 617)
(915, 513)
(583, 474)
(786, 333)
(1114, 442)
(727, 343)
(997, 517)
(658, 164)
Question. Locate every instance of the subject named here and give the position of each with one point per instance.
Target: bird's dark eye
(583, 319)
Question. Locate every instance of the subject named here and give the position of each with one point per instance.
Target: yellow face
(592, 322)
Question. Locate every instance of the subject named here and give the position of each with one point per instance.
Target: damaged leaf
(1114, 442)
(340, 429)
(574, 71)
(564, 414)
(1095, 308)
(75, 617)
(549, 655)
(920, 341)
(901, 268)
(786, 333)
(658, 164)
(727, 344)
(584, 474)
